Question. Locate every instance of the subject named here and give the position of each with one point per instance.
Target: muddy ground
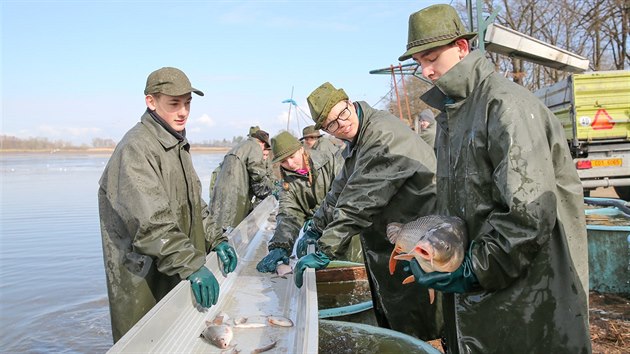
(609, 317)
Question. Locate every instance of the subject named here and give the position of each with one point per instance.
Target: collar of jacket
(167, 137)
(360, 107)
(459, 82)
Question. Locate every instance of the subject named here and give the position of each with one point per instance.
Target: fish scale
(437, 242)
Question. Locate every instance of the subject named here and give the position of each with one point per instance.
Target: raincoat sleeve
(212, 237)
(143, 203)
(289, 220)
(324, 214)
(378, 174)
(259, 179)
(523, 187)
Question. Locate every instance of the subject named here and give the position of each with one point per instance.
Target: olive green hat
(322, 100)
(284, 145)
(169, 81)
(310, 132)
(432, 27)
(253, 129)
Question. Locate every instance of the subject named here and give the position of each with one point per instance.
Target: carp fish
(437, 242)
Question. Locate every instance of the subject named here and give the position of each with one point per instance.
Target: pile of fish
(220, 331)
(437, 242)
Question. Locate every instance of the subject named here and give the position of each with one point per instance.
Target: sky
(76, 70)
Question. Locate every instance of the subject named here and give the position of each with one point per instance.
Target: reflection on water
(345, 293)
(343, 337)
(53, 296)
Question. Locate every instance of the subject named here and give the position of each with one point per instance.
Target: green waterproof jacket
(326, 143)
(505, 168)
(388, 176)
(153, 221)
(300, 198)
(243, 176)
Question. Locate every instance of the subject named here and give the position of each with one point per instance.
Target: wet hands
(227, 255)
(317, 260)
(309, 237)
(205, 287)
(269, 263)
(462, 280)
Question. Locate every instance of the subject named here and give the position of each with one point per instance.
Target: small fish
(219, 335)
(265, 348)
(283, 269)
(280, 321)
(244, 322)
(437, 242)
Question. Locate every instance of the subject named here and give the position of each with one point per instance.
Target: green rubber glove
(205, 287)
(462, 280)
(317, 260)
(227, 255)
(269, 263)
(309, 237)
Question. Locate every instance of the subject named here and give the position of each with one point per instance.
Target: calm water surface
(53, 295)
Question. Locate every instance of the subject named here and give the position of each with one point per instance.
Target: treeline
(595, 29)
(14, 143)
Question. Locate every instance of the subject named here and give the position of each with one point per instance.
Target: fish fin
(393, 231)
(431, 296)
(409, 279)
(404, 257)
(392, 262)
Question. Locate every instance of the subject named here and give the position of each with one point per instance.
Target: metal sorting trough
(175, 323)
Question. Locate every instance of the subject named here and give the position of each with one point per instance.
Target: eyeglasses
(334, 125)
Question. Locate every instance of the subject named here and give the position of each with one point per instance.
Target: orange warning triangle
(602, 120)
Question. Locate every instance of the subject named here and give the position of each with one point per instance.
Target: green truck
(594, 109)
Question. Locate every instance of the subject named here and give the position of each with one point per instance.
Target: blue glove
(269, 263)
(462, 280)
(227, 255)
(317, 260)
(205, 287)
(309, 237)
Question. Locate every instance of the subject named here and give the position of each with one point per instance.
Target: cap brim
(421, 48)
(197, 91)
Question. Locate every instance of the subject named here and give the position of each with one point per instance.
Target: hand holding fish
(434, 246)
(461, 280)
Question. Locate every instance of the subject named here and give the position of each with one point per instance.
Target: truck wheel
(623, 192)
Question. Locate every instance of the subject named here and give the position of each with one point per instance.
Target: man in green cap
(313, 139)
(505, 168)
(307, 176)
(154, 224)
(242, 178)
(388, 176)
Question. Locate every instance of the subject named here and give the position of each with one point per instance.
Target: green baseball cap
(310, 132)
(253, 129)
(322, 100)
(284, 145)
(169, 81)
(432, 27)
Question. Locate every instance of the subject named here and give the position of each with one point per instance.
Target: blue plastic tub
(608, 250)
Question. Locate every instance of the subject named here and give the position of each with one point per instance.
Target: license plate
(606, 163)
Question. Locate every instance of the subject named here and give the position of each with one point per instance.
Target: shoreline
(193, 149)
